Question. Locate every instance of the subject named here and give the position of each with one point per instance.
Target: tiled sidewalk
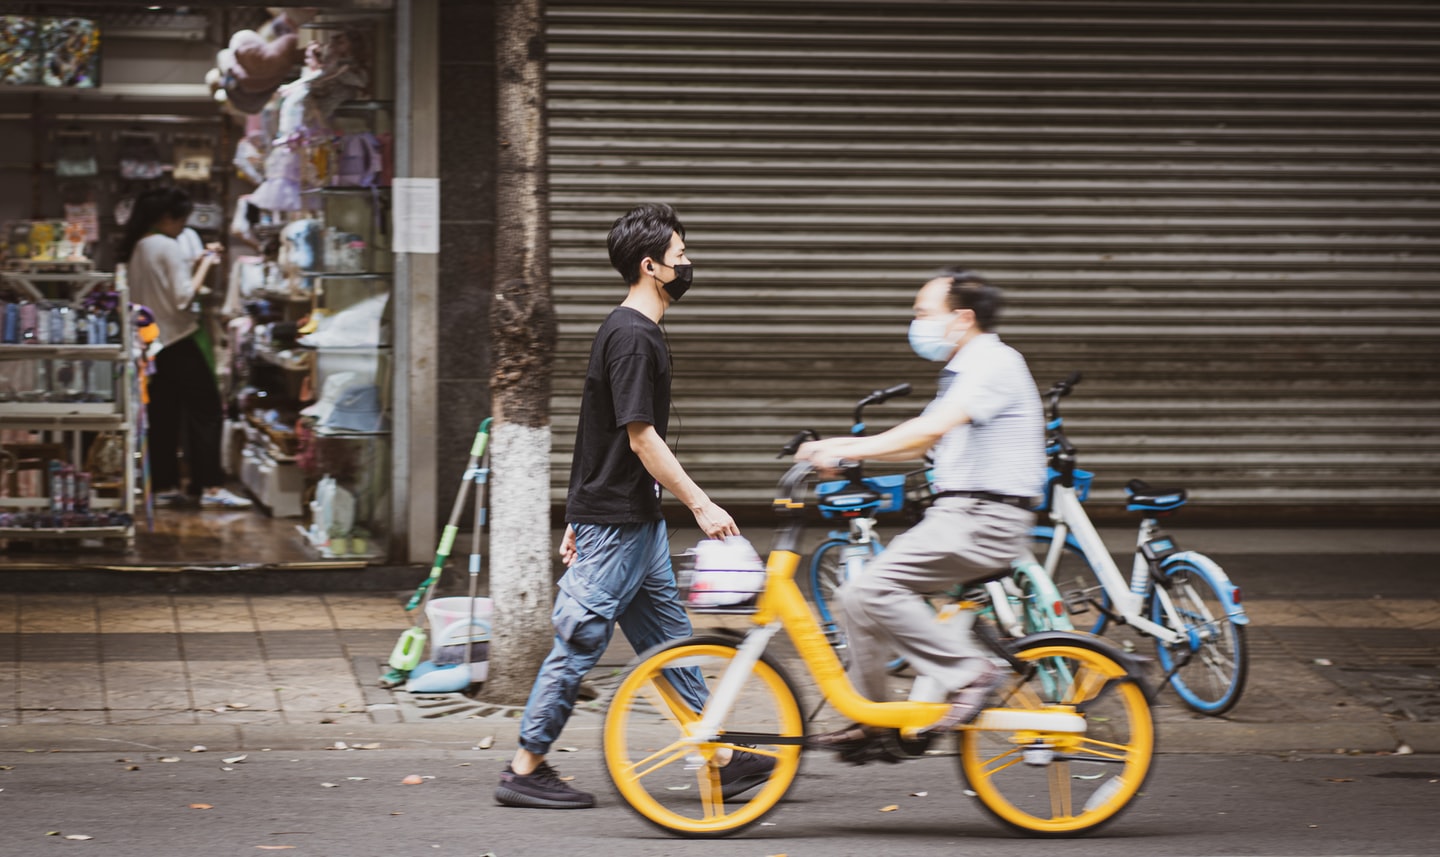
(305, 660)
(188, 659)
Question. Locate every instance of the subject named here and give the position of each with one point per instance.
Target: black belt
(1026, 503)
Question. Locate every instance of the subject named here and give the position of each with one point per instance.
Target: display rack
(62, 417)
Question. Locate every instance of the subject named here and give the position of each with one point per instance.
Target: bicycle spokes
(1063, 782)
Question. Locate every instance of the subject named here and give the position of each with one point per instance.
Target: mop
(409, 650)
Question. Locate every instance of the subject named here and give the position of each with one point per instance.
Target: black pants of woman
(184, 412)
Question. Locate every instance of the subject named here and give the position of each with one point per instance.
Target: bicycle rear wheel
(1053, 784)
(1076, 580)
(1214, 657)
(826, 574)
(677, 786)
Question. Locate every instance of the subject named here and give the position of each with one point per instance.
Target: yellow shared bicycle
(1065, 747)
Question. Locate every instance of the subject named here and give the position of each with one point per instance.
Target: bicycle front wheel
(1213, 656)
(1062, 783)
(1075, 578)
(677, 785)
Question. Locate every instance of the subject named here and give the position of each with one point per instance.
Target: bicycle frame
(783, 605)
(1127, 598)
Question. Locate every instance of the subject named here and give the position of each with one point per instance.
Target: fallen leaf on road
(1339, 780)
(132, 767)
(357, 779)
(237, 705)
(79, 837)
(485, 743)
(329, 785)
(412, 780)
(169, 759)
(339, 745)
(919, 794)
(367, 746)
(275, 847)
(569, 749)
(234, 760)
(891, 808)
(1404, 750)
(201, 806)
(198, 748)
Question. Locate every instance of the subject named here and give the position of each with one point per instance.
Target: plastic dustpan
(431, 678)
(409, 650)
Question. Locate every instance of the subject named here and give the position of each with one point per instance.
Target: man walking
(986, 427)
(616, 545)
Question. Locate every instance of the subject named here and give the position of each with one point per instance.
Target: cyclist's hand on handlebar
(715, 522)
(824, 455)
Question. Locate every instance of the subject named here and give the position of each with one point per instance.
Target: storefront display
(288, 166)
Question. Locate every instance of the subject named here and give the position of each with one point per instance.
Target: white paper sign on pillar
(416, 213)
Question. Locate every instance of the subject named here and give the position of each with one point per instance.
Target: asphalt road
(134, 804)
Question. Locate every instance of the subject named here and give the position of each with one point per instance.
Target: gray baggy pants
(884, 613)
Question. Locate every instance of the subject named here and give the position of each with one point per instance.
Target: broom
(410, 648)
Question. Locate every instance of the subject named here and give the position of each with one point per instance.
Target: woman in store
(185, 408)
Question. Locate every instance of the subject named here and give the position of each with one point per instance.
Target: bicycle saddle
(1145, 496)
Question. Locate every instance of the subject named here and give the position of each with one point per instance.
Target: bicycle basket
(1082, 486)
(890, 487)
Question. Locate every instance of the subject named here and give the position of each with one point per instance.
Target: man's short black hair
(969, 290)
(642, 231)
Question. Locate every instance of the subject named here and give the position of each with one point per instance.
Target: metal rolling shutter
(1224, 214)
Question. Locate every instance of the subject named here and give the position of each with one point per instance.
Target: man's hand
(825, 455)
(715, 522)
(568, 552)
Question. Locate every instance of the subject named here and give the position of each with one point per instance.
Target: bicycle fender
(1134, 665)
(1218, 579)
(1045, 592)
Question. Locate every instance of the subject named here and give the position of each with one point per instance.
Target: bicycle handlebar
(1059, 390)
(876, 397)
(792, 446)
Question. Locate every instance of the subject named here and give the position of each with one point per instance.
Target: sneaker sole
(510, 797)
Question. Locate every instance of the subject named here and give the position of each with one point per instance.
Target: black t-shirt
(628, 381)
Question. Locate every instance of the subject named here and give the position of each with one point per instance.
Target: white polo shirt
(1002, 449)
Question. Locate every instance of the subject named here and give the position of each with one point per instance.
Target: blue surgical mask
(927, 339)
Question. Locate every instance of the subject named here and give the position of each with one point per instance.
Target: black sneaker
(745, 772)
(541, 789)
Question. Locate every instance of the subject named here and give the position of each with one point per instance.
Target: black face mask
(684, 275)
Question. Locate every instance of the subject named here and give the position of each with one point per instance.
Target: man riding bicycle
(986, 429)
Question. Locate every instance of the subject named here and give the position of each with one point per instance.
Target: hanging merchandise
(139, 154)
(20, 59)
(75, 155)
(86, 215)
(358, 161)
(193, 159)
(71, 48)
(281, 189)
(249, 158)
(337, 71)
(206, 217)
(253, 67)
